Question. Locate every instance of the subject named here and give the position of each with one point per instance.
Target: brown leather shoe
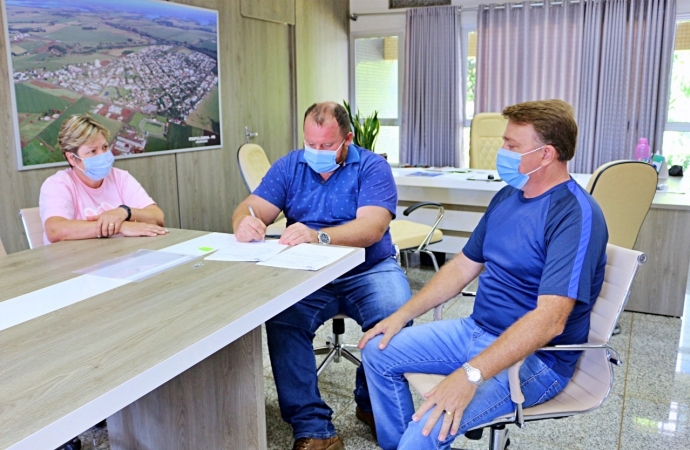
(333, 443)
(367, 419)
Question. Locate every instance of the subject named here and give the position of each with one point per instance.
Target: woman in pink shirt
(92, 199)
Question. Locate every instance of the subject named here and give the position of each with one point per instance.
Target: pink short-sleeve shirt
(64, 195)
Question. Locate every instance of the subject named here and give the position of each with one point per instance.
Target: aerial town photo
(145, 69)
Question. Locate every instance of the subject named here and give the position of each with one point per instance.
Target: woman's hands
(109, 222)
(132, 229)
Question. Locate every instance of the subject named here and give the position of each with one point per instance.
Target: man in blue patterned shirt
(331, 192)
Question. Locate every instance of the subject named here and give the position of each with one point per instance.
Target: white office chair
(33, 226)
(591, 384)
(254, 164)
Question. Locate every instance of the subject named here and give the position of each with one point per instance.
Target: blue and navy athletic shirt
(365, 179)
(554, 244)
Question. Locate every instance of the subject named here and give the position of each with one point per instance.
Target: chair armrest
(416, 206)
(439, 217)
(614, 357)
(516, 392)
(438, 311)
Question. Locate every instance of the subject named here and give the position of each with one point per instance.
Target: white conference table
(173, 361)
(661, 283)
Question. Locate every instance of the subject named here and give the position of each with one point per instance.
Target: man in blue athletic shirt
(332, 192)
(542, 243)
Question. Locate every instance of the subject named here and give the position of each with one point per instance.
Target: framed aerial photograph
(145, 69)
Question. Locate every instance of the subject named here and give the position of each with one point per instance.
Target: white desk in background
(173, 361)
(665, 235)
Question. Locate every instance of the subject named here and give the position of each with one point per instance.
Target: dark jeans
(367, 297)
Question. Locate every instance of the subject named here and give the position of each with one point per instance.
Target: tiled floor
(649, 407)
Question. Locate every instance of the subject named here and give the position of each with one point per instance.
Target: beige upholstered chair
(624, 191)
(254, 164)
(412, 237)
(591, 384)
(33, 226)
(2, 250)
(486, 137)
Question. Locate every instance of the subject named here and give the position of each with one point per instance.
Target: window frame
(678, 126)
(401, 66)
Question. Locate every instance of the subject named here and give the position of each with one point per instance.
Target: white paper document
(247, 251)
(136, 266)
(307, 257)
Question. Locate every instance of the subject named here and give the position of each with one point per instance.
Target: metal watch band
(473, 372)
(323, 238)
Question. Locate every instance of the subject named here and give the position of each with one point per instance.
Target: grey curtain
(626, 77)
(610, 59)
(528, 53)
(433, 96)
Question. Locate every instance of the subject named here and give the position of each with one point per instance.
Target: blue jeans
(367, 297)
(441, 348)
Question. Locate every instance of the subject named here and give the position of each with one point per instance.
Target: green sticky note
(206, 249)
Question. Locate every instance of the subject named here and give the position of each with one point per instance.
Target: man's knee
(371, 352)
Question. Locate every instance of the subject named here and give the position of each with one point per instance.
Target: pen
(251, 211)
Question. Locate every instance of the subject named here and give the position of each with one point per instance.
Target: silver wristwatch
(323, 238)
(473, 374)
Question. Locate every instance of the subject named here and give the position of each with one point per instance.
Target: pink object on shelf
(642, 150)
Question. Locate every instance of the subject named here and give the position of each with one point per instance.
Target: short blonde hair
(79, 130)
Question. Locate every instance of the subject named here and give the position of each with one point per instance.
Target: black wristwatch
(129, 211)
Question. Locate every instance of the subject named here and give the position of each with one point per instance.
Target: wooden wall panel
(321, 47)
(254, 70)
(272, 11)
(157, 174)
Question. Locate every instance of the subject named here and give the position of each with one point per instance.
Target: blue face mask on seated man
(99, 166)
(508, 166)
(321, 161)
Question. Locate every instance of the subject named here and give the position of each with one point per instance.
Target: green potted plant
(366, 130)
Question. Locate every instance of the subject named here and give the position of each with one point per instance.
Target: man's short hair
(319, 112)
(553, 120)
(79, 130)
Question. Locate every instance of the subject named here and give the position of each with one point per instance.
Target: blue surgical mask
(99, 166)
(321, 161)
(508, 166)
